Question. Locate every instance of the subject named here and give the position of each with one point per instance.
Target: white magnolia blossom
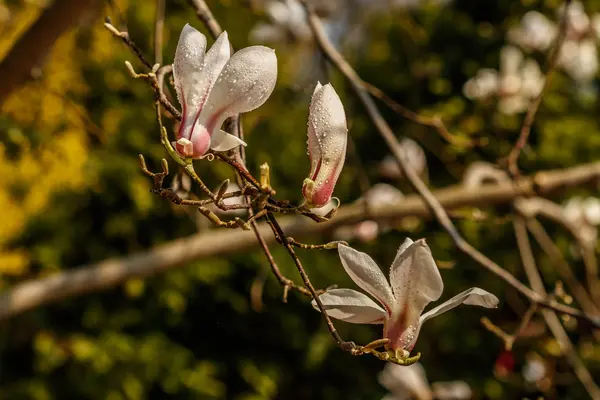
(534, 369)
(341, 18)
(517, 83)
(481, 172)
(288, 20)
(536, 32)
(405, 382)
(585, 214)
(414, 282)
(213, 86)
(578, 56)
(415, 155)
(579, 59)
(410, 382)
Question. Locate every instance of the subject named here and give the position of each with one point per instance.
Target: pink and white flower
(214, 86)
(327, 138)
(414, 282)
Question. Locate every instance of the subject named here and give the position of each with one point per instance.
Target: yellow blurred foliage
(35, 173)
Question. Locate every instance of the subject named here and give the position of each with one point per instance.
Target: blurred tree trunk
(30, 49)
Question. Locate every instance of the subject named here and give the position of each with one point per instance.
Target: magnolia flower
(327, 137)
(578, 54)
(579, 59)
(288, 18)
(415, 155)
(585, 215)
(480, 172)
(410, 382)
(212, 87)
(516, 84)
(405, 383)
(536, 32)
(414, 282)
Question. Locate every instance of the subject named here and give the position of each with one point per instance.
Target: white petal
(366, 274)
(351, 306)
(323, 211)
(314, 150)
(244, 84)
(455, 390)
(474, 297)
(187, 72)
(405, 382)
(215, 60)
(414, 277)
(223, 141)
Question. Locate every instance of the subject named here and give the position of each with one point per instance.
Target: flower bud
(327, 138)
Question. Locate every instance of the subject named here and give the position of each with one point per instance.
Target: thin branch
(434, 204)
(550, 316)
(514, 154)
(510, 339)
(151, 77)
(432, 122)
(278, 232)
(206, 16)
(285, 282)
(531, 207)
(96, 277)
(124, 36)
(562, 267)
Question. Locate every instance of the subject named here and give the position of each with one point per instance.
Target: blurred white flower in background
(288, 23)
(388, 168)
(481, 172)
(536, 32)
(379, 195)
(584, 213)
(534, 369)
(578, 56)
(411, 383)
(518, 82)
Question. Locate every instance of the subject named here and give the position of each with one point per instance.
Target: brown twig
(510, 339)
(124, 36)
(205, 15)
(513, 156)
(562, 267)
(434, 205)
(151, 77)
(278, 232)
(285, 282)
(531, 207)
(550, 316)
(432, 122)
(84, 279)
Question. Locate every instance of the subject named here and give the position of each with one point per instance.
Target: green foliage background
(71, 193)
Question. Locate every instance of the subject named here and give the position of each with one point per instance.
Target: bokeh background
(71, 193)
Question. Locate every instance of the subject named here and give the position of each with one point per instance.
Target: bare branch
(550, 316)
(100, 276)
